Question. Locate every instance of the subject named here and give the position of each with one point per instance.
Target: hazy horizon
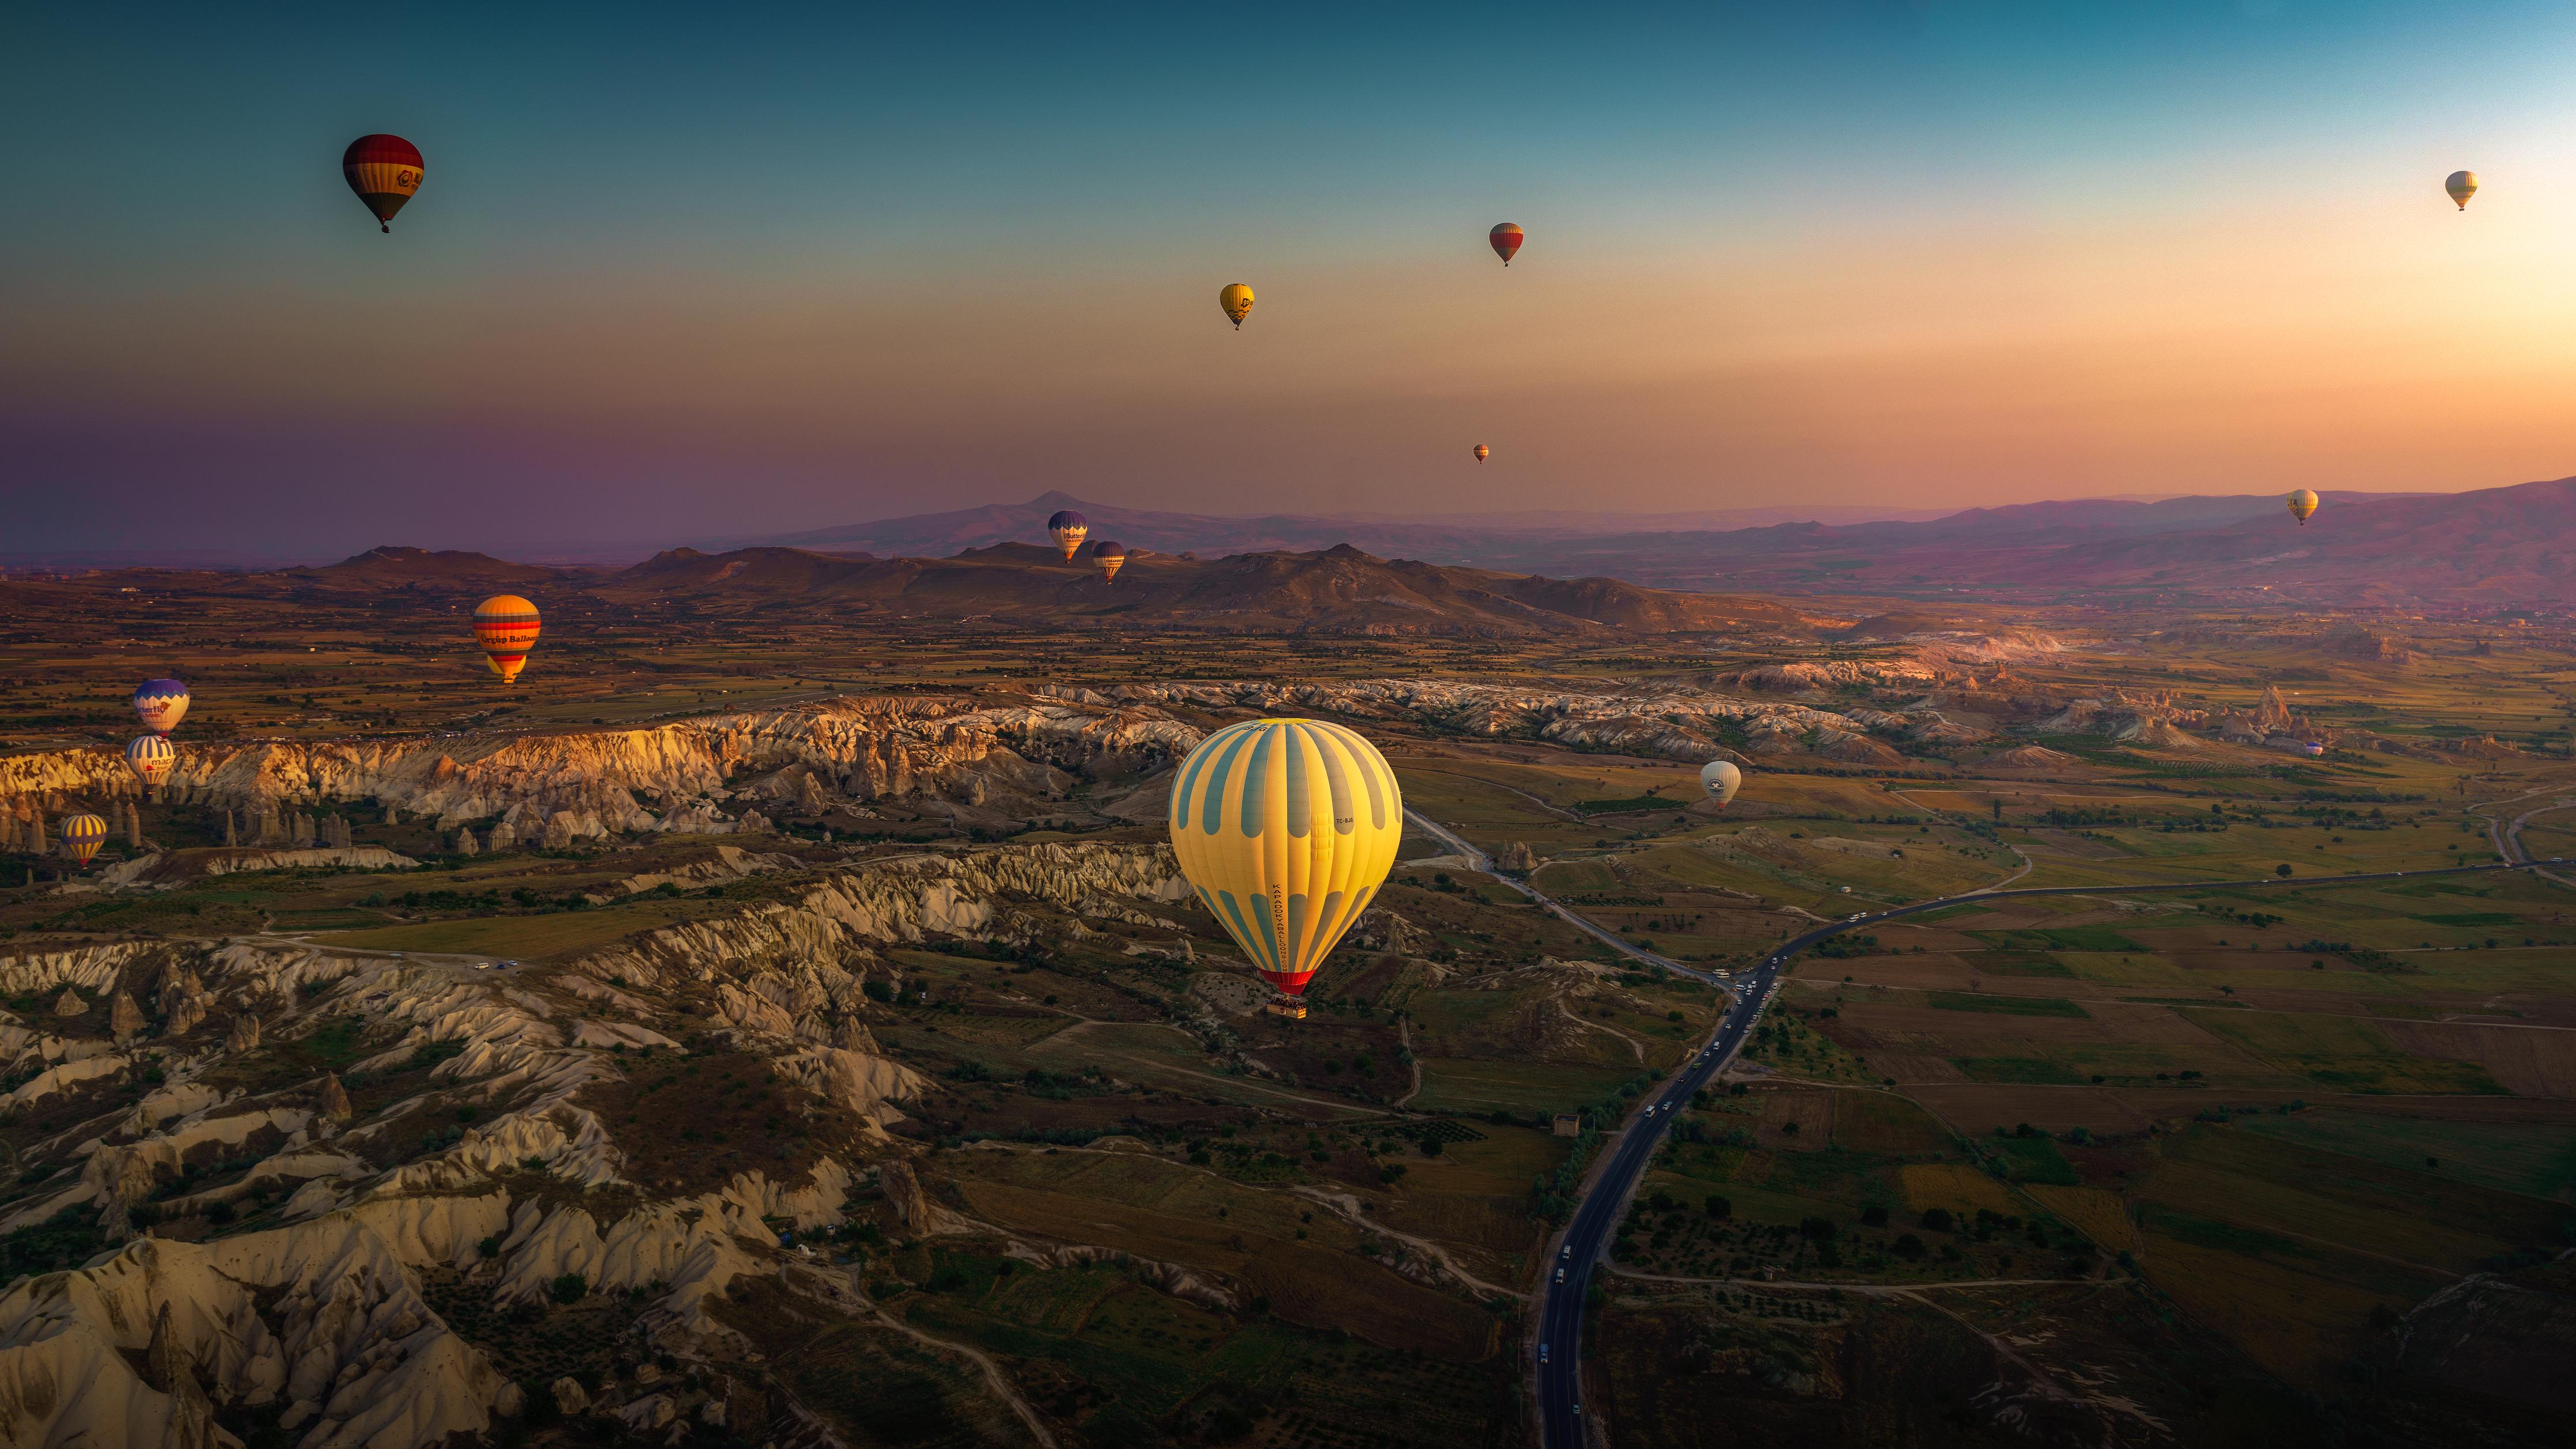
(689, 277)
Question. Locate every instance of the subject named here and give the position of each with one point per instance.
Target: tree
(1999, 809)
(2283, 869)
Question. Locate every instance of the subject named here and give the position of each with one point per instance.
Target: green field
(2342, 1052)
(2006, 1005)
(1453, 1084)
(531, 937)
(2534, 1159)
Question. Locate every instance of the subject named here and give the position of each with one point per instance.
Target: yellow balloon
(1236, 299)
(2302, 505)
(84, 834)
(1286, 828)
(2462, 185)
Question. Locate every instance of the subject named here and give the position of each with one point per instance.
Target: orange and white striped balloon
(506, 626)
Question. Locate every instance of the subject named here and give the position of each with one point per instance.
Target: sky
(696, 273)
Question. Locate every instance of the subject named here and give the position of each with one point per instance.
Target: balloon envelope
(1482, 452)
(2462, 185)
(1068, 528)
(1506, 239)
(2303, 505)
(1111, 557)
(82, 836)
(150, 757)
(1721, 780)
(506, 626)
(384, 171)
(1236, 299)
(1286, 828)
(161, 704)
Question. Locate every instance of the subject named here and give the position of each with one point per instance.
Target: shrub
(1938, 1220)
(1908, 1247)
(571, 1288)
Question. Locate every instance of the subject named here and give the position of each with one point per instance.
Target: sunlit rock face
(491, 1162)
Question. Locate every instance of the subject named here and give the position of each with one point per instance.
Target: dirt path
(1344, 1205)
(1404, 1034)
(2015, 849)
(1002, 1386)
(1559, 811)
(1635, 1047)
(1251, 1084)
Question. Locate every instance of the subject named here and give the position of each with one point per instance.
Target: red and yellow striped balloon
(82, 836)
(506, 626)
(384, 171)
(1506, 241)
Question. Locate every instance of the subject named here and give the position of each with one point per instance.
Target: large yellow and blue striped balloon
(1286, 828)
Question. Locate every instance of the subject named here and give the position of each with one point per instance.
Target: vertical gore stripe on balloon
(1365, 760)
(1191, 769)
(1212, 815)
(1267, 916)
(1243, 933)
(1297, 930)
(1256, 779)
(1337, 780)
(1301, 801)
(1328, 924)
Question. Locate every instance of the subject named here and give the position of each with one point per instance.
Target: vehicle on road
(1560, 1275)
(1542, 1353)
(1566, 1252)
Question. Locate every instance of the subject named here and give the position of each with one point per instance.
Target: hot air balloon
(2302, 504)
(151, 757)
(1236, 299)
(2462, 185)
(1068, 528)
(82, 836)
(384, 171)
(1481, 452)
(505, 625)
(161, 704)
(1721, 780)
(1506, 239)
(1111, 557)
(1286, 828)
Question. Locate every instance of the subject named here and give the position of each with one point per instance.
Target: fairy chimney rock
(244, 1035)
(335, 1099)
(124, 1018)
(70, 1003)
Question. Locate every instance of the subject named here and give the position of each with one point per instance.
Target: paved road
(1560, 1312)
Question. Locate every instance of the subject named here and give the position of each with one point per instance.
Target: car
(1542, 1353)
(1560, 1275)
(1566, 1252)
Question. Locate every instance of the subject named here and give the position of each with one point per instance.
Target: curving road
(1560, 1313)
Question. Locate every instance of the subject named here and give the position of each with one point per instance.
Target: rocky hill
(1333, 590)
(2490, 545)
(458, 1147)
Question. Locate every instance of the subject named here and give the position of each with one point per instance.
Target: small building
(1569, 1124)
